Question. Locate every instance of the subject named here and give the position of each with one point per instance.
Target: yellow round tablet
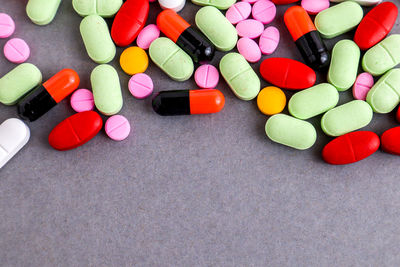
(271, 100)
(134, 60)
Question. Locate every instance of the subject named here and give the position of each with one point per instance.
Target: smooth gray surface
(187, 191)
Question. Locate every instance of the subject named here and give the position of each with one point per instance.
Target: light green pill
(240, 76)
(338, 19)
(18, 82)
(289, 131)
(220, 4)
(385, 94)
(42, 12)
(106, 89)
(346, 118)
(217, 28)
(313, 101)
(171, 59)
(344, 65)
(103, 8)
(96, 37)
(383, 56)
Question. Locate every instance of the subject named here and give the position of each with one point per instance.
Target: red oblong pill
(391, 141)
(283, 2)
(75, 131)
(129, 21)
(376, 25)
(351, 147)
(287, 73)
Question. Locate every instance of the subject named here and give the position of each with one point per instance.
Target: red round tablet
(283, 2)
(351, 147)
(391, 141)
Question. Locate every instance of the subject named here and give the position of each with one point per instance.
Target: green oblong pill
(384, 96)
(42, 12)
(289, 131)
(383, 56)
(344, 64)
(338, 19)
(240, 76)
(103, 8)
(96, 37)
(313, 101)
(106, 89)
(171, 59)
(220, 4)
(217, 28)
(346, 118)
(18, 82)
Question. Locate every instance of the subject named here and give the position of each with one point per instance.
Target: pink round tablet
(250, 1)
(16, 50)
(363, 85)
(82, 100)
(141, 85)
(147, 36)
(250, 28)
(206, 76)
(238, 12)
(117, 128)
(249, 49)
(269, 40)
(264, 11)
(313, 7)
(7, 25)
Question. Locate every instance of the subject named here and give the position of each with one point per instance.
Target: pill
(214, 25)
(306, 37)
(351, 147)
(141, 85)
(313, 101)
(249, 49)
(175, 5)
(16, 50)
(250, 1)
(383, 56)
(206, 76)
(238, 12)
(106, 89)
(289, 131)
(398, 115)
(250, 28)
(338, 19)
(264, 11)
(188, 102)
(193, 42)
(271, 100)
(384, 96)
(363, 84)
(313, 7)
(75, 130)
(390, 141)
(49, 94)
(82, 100)
(19, 81)
(42, 12)
(344, 65)
(220, 4)
(283, 2)
(129, 21)
(287, 73)
(105, 9)
(171, 59)
(14, 134)
(269, 40)
(376, 25)
(7, 25)
(134, 60)
(117, 128)
(361, 2)
(240, 76)
(147, 36)
(97, 39)
(346, 118)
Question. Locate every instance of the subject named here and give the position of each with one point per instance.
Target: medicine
(390, 141)
(250, 28)
(16, 50)
(194, 43)
(134, 60)
(363, 85)
(117, 128)
(264, 11)
(306, 37)
(361, 2)
(249, 49)
(398, 115)
(147, 36)
(48, 95)
(105, 9)
(283, 2)
(313, 7)
(82, 100)
(206, 76)
(188, 102)
(220, 4)
(271, 100)
(141, 85)
(238, 12)
(42, 12)
(269, 40)
(7, 25)
(175, 5)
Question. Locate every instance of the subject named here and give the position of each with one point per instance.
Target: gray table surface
(208, 190)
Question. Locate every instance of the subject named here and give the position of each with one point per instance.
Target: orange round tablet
(134, 60)
(271, 100)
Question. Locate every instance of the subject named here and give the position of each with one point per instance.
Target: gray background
(208, 190)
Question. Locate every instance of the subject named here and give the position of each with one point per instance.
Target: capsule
(188, 102)
(185, 36)
(306, 37)
(47, 95)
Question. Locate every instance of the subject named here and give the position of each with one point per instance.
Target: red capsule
(351, 147)
(391, 141)
(283, 2)
(287, 73)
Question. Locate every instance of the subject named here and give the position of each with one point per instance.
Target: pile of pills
(185, 50)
